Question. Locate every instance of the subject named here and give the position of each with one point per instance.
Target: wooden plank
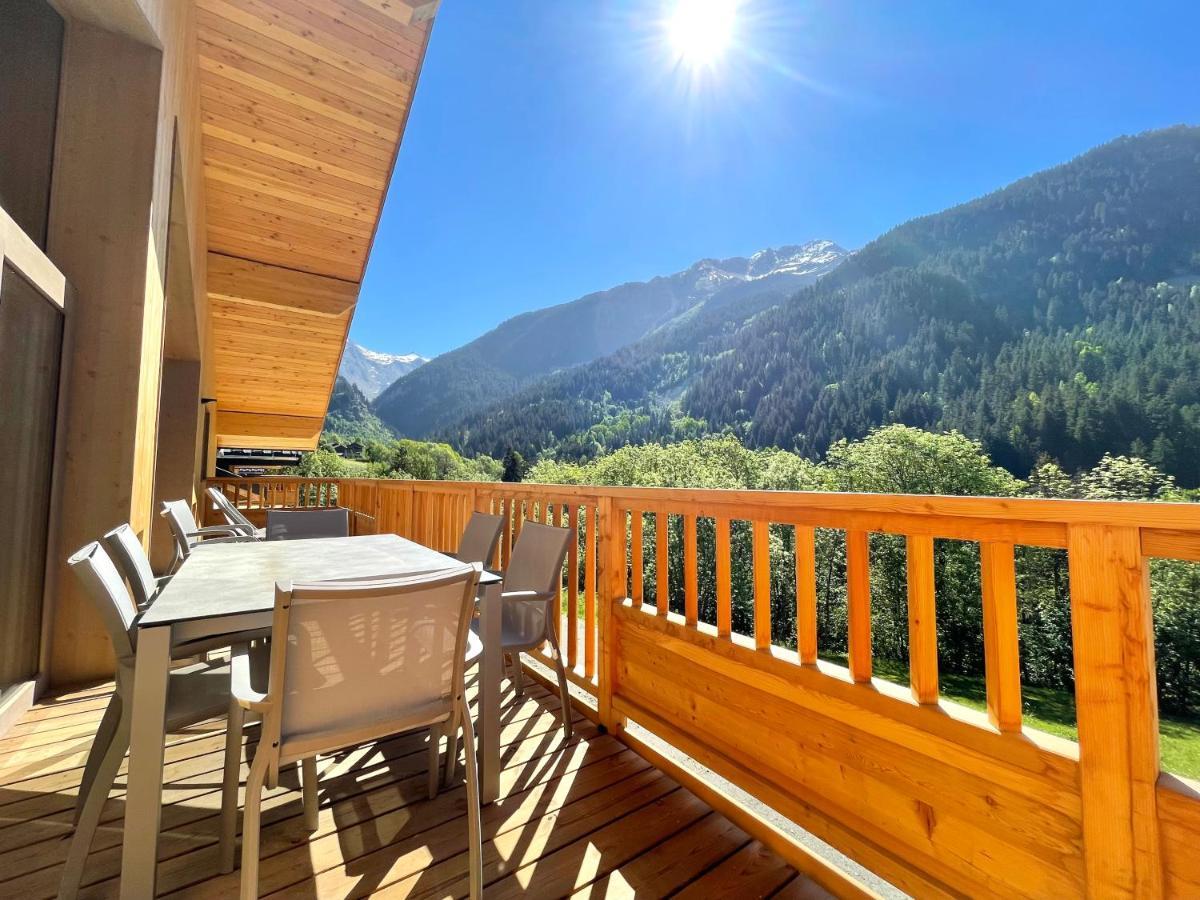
(1117, 712)
(239, 429)
(806, 594)
(858, 602)
(691, 587)
(724, 579)
(1000, 635)
(922, 621)
(762, 585)
(662, 591)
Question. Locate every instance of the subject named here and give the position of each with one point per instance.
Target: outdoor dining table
(228, 588)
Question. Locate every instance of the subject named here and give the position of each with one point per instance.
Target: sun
(700, 31)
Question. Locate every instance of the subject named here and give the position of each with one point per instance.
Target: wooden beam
(230, 278)
(267, 432)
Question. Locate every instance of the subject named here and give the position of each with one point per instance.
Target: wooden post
(806, 594)
(691, 591)
(612, 591)
(1117, 711)
(762, 585)
(724, 579)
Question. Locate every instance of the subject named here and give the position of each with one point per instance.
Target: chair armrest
(527, 596)
(241, 684)
(214, 529)
(230, 539)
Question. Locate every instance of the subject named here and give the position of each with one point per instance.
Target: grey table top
(235, 579)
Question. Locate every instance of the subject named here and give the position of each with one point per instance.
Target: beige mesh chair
(480, 538)
(188, 534)
(234, 516)
(531, 597)
(195, 693)
(353, 662)
(126, 551)
(304, 524)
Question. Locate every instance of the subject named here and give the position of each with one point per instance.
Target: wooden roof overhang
(303, 105)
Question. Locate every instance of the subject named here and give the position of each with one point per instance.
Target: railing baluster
(858, 601)
(589, 597)
(922, 620)
(1000, 636)
(806, 594)
(724, 577)
(636, 562)
(691, 603)
(762, 585)
(662, 580)
(573, 587)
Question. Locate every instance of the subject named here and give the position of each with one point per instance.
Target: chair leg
(474, 817)
(518, 678)
(435, 760)
(229, 786)
(250, 827)
(93, 805)
(308, 787)
(563, 694)
(452, 747)
(100, 745)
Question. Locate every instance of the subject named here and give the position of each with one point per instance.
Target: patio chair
(234, 516)
(126, 551)
(531, 597)
(351, 663)
(195, 693)
(302, 524)
(188, 534)
(480, 538)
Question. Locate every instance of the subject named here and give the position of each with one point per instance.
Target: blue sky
(556, 147)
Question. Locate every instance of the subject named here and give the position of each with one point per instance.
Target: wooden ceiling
(303, 104)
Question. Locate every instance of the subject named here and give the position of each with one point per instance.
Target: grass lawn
(1053, 711)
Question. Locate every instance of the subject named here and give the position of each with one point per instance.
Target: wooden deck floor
(586, 817)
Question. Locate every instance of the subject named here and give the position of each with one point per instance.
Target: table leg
(143, 796)
(491, 671)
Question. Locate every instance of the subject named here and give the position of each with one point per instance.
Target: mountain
(371, 371)
(350, 417)
(524, 348)
(1059, 317)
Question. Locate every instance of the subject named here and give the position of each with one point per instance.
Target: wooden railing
(935, 797)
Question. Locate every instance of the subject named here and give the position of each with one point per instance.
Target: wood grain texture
(1002, 663)
(1117, 712)
(762, 585)
(922, 621)
(858, 603)
(691, 589)
(806, 594)
(724, 592)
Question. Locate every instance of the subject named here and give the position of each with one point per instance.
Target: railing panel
(936, 797)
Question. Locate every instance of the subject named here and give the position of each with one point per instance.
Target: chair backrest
(299, 524)
(232, 514)
(536, 565)
(178, 514)
(353, 661)
(126, 551)
(480, 538)
(100, 578)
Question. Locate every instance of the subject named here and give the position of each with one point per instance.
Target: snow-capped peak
(386, 359)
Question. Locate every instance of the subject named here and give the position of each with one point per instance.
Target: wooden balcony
(586, 816)
(936, 798)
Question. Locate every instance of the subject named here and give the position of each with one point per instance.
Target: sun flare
(700, 31)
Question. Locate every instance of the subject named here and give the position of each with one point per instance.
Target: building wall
(128, 131)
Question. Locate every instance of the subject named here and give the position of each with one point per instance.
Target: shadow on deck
(583, 817)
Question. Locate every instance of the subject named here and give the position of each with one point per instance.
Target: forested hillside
(349, 417)
(1057, 317)
(532, 345)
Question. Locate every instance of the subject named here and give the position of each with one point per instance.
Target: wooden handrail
(934, 796)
